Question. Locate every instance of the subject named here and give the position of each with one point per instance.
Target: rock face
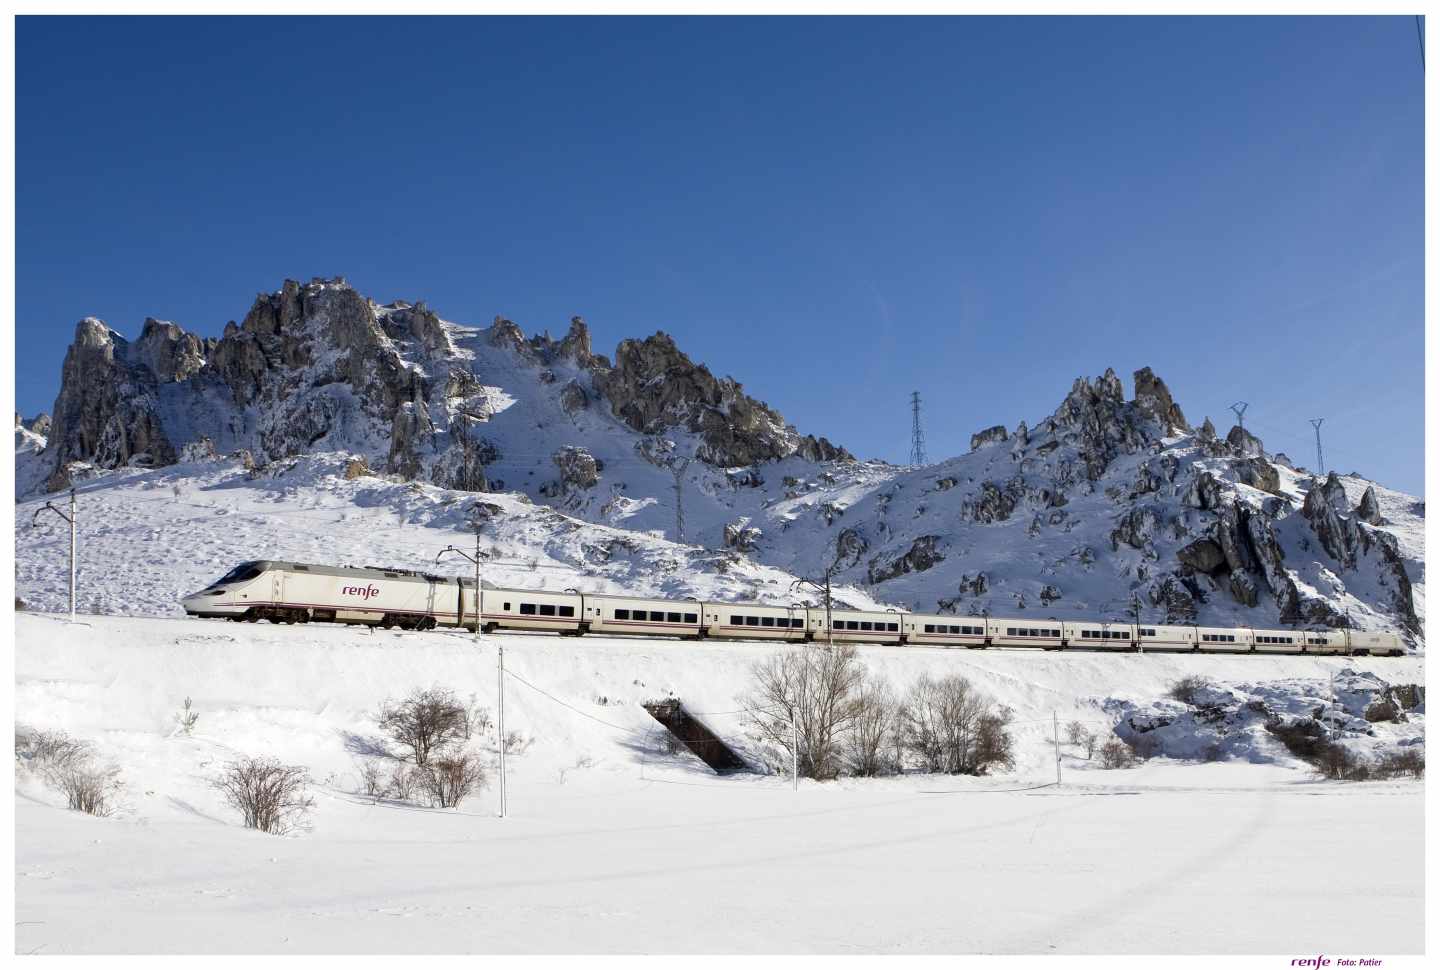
(1368, 510)
(1244, 444)
(922, 555)
(578, 468)
(740, 535)
(1153, 397)
(316, 366)
(990, 436)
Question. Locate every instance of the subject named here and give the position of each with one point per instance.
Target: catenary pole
(71, 518)
(1057, 749)
(794, 752)
(500, 726)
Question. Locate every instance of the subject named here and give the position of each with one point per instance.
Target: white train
(292, 592)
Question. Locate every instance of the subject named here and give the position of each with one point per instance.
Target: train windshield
(242, 572)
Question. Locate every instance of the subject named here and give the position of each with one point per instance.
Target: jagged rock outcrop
(1153, 397)
(1336, 534)
(990, 504)
(1334, 490)
(1368, 509)
(740, 535)
(990, 436)
(317, 366)
(1258, 473)
(1136, 528)
(1202, 555)
(578, 468)
(1244, 444)
(653, 387)
(923, 553)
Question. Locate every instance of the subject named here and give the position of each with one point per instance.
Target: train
(292, 592)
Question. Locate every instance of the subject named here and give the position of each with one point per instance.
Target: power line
(917, 433)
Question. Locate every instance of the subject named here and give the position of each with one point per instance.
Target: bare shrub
(953, 728)
(44, 750)
(424, 722)
(450, 778)
(1090, 740)
(1186, 689)
(271, 796)
(1115, 753)
(868, 751)
(185, 718)
(1075, 732)
(404, 781)
(477, 720)
(372, 778)
(1397, 764)
(88, 785)
(817, 688)
(516, 743)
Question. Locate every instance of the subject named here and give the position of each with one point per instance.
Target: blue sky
(834, 211)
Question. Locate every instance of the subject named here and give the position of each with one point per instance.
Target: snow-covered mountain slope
(1108, 508)
(614, 845)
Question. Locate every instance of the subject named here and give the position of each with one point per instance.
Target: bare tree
(424, 722)
(448, 779)
(372, 781)
(271, 796)
(868, 751)
(815, 688)
(953, 728)
(1090, 740)
(1075, 732)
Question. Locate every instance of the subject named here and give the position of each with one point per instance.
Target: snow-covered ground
(613, 846)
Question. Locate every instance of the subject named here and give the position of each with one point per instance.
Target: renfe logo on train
(364, 592)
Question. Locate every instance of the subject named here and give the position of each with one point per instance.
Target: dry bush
(372, 780)
(1075, 732)
(868, 749)
(404, 780)
(1398, 764)
(1090, 741)
(271, 796)
(450, 778)
(516, 743)
(88, 785)
(42, 750)
(1186, 689)
(951, 727)
(425, 722)
(817, 688)
(1115, 753)
(477, 720)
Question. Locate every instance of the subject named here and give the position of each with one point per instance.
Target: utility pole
(1135, 609)
(50, 507)
(677, 468)
(1057, 749)
(1240, 407)
(822, 586)
(794, 751)
(500, 645)
(1319, 454)
(500, 724)
(917, 434)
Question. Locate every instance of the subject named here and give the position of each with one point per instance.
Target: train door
(277, 586)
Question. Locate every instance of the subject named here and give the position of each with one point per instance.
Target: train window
(752, 621)
(851, 625)
(929, 628)
(297, 566)
(1010, 631)
(865, 625)
(547, 609)
(507, 607)
(1147, 633)
(767, 621)
(567, 611)
(622, 614)
(657, 616)
(527, 609)
(737, 620)
(242, 572)
(672, 617)
(691, 618)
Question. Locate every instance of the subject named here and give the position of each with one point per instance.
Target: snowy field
(612, 846)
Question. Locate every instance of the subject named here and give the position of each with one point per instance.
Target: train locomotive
(291, 592)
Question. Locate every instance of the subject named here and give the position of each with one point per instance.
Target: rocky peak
(167, 351)
(1244, 444)
(1368, 510)
(1153, 397)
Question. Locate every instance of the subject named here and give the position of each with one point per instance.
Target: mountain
(1109, 507)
